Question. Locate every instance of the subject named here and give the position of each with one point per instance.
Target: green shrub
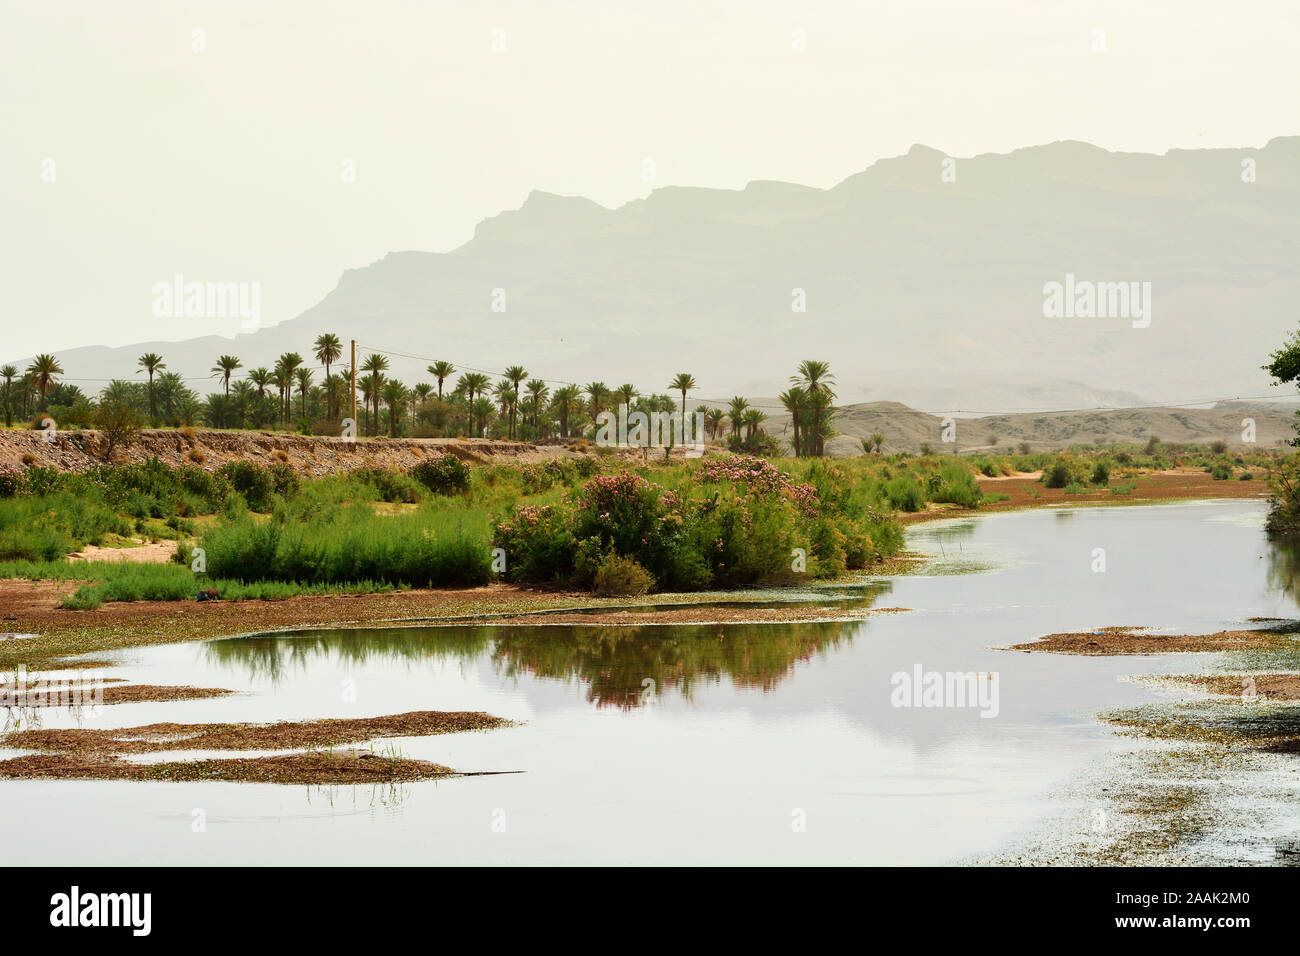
(253, 483)
(905, 494)
(617, 576)
(1064, 470)
(388, 485)
(955, 484)
(443, 475)
(1101, 473)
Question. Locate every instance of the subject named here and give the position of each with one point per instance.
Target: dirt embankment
(1120, 640)
(306, 454)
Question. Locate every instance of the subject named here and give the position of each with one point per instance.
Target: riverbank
(32, 607)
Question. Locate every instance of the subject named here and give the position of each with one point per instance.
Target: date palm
(286, 368)
(736, 414)
(538, 392)
(304, 383)
(683, 382)
(795, 401)
(625, 393)
(566, 397)
(328, 350)
(877, 440)
(515, 375)
(43, 370)
(441, 371)
(225, 367)
(282, 378)
(260, 377)
(714, 418)
(151, 363)
(8, 373)
(375, 365)
(597, 393)
(334, 387)
(816, 379)
(480, 411)
(472, 384)
(394, 395)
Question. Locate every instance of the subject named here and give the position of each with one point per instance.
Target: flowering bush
(762, 478)
(11, 481)
(622, 510)
(737, 524)
(538, 542)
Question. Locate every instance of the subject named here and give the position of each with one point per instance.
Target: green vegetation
(252, 530)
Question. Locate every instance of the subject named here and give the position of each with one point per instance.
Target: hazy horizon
(224, 164)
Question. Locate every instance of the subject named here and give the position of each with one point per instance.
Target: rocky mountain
(922, 280)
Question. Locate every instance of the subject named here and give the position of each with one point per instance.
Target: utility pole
(354, 384)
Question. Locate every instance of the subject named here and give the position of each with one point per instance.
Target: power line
(956, 411)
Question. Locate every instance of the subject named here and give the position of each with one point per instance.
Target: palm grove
(313, 396)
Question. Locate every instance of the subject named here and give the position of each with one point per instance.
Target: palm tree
(42, 370)
(26, 386)
(152, 363)
(597, 392)
(816, 379)
(394, 395)
(565, 398)
(328, 349)
(512, 404)
(753, 418)
(501, 392)
(369, 386)
(876, 440)
(515, 375)
(795, 401)
(472, 384)
(441, 371)
(333, 386)
(304, 383)
(376, 365)
(479, 413)
(736, 415)
(260, 378)
(226, 364)
(537, 391)
(8, 373)
(286, 367)
(713, 418)
(684, 382)
(625, 393)
(282, 378)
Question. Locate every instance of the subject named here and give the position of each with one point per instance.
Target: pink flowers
(604, 492)
(762, 478)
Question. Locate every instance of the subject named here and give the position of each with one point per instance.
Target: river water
(774, 743)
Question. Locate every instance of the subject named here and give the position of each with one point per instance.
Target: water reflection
(1284, 564)
(621, 667)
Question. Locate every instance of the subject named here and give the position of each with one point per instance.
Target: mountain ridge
(899, 268)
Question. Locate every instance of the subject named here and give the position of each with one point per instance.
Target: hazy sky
(226, 165)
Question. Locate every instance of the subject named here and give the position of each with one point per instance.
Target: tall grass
(425, 548)
(126, 581)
